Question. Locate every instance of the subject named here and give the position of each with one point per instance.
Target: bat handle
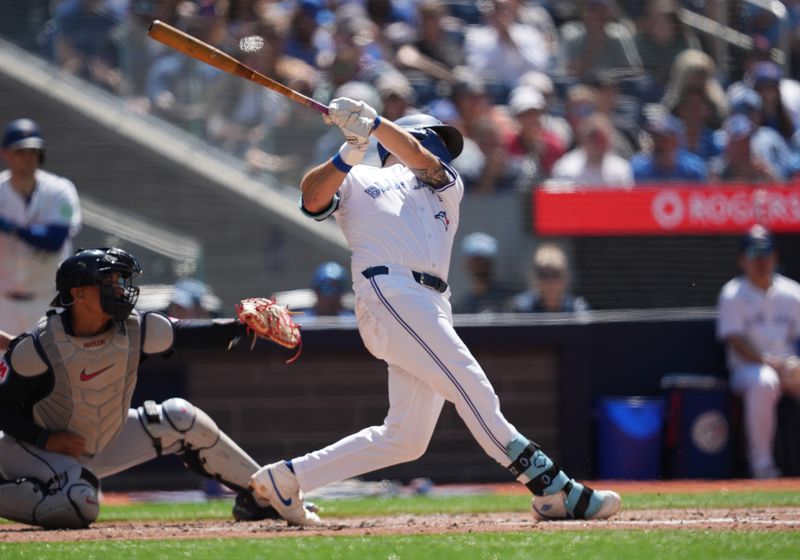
(317, 106)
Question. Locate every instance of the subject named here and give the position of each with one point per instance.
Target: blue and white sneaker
(576, 501)
(277, 484)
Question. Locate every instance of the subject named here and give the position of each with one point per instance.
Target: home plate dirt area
(750, 519)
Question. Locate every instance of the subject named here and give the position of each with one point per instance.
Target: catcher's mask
(109, 268)
(442, 140)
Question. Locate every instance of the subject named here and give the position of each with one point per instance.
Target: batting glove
(353, 154)
(356, 119)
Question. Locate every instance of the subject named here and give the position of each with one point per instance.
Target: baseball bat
(197, 49)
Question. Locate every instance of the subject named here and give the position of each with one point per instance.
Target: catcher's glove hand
(267, 319)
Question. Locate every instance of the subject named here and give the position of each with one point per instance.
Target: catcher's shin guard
(177, 426)
(68, 501)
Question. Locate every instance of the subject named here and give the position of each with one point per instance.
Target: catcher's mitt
(790, 376)
(267, 319)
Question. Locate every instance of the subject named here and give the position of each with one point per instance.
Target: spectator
(178, 86)
(625, 140)
(330, 285)
(193, 299)
(580, 104)
(397, 95)
(695, 71)
(660, 38)
(556, 124)
(766, 142)
(485, 294)
(490, 169)
(593, 163)
(303, 41)
(695, 111)
(39, 216)
(548, 291)
(666, 161)
(440, 37)
(241, 112)
(83, 44)
(759, 323)
(738, 162)
(535, 148)
(505, 48)
(766, 78)
(596, 43)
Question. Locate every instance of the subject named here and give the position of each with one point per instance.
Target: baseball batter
(759, 321)
(39, 215)
(65, 396)
(400, 222)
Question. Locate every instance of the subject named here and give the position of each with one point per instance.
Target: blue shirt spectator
(667, 161)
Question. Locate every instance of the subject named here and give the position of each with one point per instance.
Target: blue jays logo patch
(374, 192)
(442, 215)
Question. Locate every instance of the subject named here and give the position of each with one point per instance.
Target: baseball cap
(467, 82)
(744, 100)
(394, 83)
(329, 279)
(737, 127)
(524, 99)
(762, 73)
(660, 121)
(479, 244)
(757, 242)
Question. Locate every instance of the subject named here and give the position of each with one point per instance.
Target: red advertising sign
(668, 210)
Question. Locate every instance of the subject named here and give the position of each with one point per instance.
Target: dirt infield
(756, 519)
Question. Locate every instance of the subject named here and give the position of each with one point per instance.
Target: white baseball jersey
(388, 216)
(769, 320)
(23, 268)
(394, 221)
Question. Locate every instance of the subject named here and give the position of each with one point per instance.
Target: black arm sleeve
(204, 334)
(18, 394)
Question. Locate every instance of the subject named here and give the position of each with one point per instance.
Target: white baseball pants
(410, 326)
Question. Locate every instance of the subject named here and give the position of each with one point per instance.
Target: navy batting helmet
(23, 134)
(442, 140)
(98, 267)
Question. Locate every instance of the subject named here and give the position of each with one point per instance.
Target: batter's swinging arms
(400, 222)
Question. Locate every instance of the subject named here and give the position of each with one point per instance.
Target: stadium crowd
(588, 92)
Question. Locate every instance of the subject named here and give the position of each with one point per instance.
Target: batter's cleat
(576, 501)
(245, 508)
(277, 484)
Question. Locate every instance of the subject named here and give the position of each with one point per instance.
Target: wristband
(377, 123)
(339, 164)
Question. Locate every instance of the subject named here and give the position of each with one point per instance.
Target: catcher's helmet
(23, 134)
(442, 140)
(97, 267)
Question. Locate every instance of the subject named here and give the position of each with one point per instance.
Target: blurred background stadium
(197, 171)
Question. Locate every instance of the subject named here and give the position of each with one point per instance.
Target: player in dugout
(65, 399)
(400, 221)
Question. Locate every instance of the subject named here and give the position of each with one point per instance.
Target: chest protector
(94, 378)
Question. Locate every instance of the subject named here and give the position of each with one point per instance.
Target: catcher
(66, 389)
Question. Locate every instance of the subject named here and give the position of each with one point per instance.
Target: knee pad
(177, 426)
(69, 501)
(531, 466)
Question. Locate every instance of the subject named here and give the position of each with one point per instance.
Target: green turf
(595, 545)
(220, 509)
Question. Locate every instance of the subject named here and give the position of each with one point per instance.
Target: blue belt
(428, 280)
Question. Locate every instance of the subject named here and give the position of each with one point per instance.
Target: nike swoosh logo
(87, 376)
(285, 502)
